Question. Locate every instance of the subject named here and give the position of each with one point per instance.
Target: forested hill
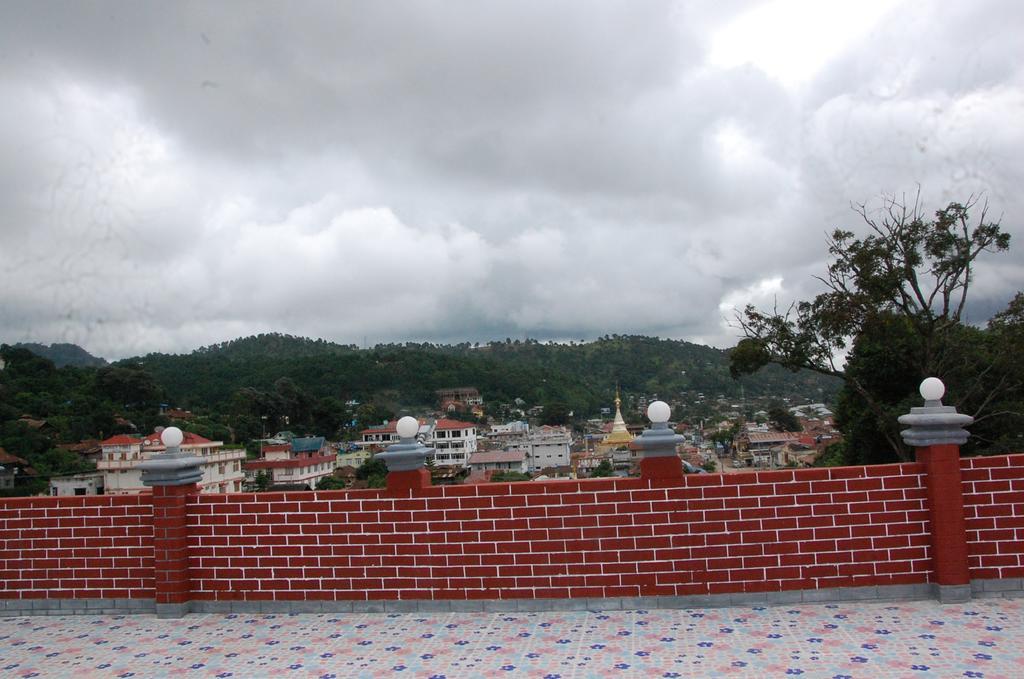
(582, 375)
(64, 354)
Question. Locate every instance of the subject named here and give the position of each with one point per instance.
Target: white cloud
(474, 172)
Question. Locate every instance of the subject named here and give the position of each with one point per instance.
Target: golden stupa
(619, 435)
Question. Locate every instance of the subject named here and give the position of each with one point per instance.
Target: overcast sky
(175, 174)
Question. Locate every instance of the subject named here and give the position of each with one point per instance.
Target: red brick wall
(994, 514)
(76, 547)
(792, 529)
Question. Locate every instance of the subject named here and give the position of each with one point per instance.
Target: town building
(89, 483)
(301, 462)
(453, 441)
(545, 447)
(353, 455)
(119, 461)
(465, 399)
(12, 468)
(503, 460)
(760, 449)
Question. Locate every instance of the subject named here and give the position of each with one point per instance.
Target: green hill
(64, 354)
(582, 375)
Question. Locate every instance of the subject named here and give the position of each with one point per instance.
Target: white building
(453, 441)
(222, 469)
(89, 483)
(545, 447)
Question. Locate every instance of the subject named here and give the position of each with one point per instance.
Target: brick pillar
(936, 432)
(409, 480)
(173, 475)
(946, 510)
(170, 549)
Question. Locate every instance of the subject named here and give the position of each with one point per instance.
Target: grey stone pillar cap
(934, 424)
(408, 454)
(172, 467)
(658, 440)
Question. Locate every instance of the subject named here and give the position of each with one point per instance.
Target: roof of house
(479, 477)
(121, 440)
(495, 456)
(188, 439)
(32, 422)
(307, 444)
(773, 436)
(388, 428)
(7, 458)
(445, 423)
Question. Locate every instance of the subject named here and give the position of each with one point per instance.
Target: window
(221, 468)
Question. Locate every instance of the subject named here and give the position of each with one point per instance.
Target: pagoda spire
(619, 433)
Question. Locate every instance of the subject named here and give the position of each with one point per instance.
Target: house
(12, 468)
(466, 399)
(546, 446)
(121, 455)
(303, 461)
(453, 441)
(505, 460)
(89, 450)
(755, 449)
(89, 483)
(352, 455)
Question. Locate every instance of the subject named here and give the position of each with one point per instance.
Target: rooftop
(495, 456)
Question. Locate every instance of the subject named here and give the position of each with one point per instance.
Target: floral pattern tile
(980, 639)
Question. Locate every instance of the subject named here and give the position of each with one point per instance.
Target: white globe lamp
(932, 389)
(172, 437)
(658, 412)
(408, 427)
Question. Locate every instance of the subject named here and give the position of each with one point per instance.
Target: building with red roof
(120, 456)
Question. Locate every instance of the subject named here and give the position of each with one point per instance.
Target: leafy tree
(262, 481)
(899, 292)
(374, 471)
(603, 469)
(331, 483)
(710, 466)
(555, 414)
(783, 420)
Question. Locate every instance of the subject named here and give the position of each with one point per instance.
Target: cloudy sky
(177, 174)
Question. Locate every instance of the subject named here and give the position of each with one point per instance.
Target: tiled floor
(902, 639)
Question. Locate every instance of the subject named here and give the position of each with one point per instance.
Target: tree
(901, 291)
(555, 414)
(783, 420)
(709, 466)
(331, 483)
(603, 469)
(263, 481)
(374, 471)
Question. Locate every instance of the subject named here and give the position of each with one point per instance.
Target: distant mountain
(581, 375)
(64, 354)
(273, 345)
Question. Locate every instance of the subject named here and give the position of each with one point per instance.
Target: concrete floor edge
(978, 589)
